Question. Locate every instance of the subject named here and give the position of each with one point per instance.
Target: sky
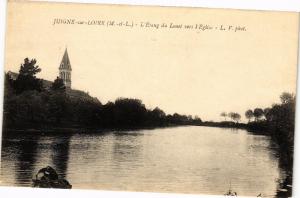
(191, 72)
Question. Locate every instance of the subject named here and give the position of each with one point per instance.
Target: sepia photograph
(149, 99)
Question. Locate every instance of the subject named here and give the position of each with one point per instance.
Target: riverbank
(74, 129)
(224, 124)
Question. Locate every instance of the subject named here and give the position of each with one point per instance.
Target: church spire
(65, 62)
(65, 69)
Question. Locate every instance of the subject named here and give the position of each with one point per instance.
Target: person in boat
(48, 178)
(47, 173)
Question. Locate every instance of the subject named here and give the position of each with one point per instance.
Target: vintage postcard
(149, 99)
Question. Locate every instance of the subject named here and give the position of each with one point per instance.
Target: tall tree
(29, 68)
(26, 79)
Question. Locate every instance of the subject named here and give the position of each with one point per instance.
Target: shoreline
(81, 129)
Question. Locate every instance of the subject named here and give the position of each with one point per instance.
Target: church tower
(65, 70)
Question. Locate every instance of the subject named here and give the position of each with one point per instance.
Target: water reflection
(26, 159)
(23, 151)
(126, 146)
(183, 159)
(286, 165)
(60, 153)
(23, 154)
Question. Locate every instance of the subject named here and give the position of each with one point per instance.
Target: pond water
(193, 159)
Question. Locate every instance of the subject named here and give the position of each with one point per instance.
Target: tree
(129, 112)
(267, 113)
(158, 113)
(56, 107)
(26, 79)
(258, 113)
(58, 84)
(8, 86)
(156, 116)
(286, 97)
(237, 117)
(249, 114)
(10, 102)
(224, 114)
(197, 119)
(231, 115)
(29, 68)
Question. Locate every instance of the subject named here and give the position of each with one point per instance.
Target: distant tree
(249, 114)
(159, 113)
(224, 114)
(236, 117)
(231, 115)
(129, 112)
(197, 119)
(155, 117)
(177, 118)
(258, 113)
(26, 79)
(58, 84)
(286, 97)
(267, 114)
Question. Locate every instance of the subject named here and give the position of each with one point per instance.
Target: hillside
(73, 94)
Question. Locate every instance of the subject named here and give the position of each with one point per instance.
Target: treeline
(29, 104)
(278, 121)
(236, 117)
